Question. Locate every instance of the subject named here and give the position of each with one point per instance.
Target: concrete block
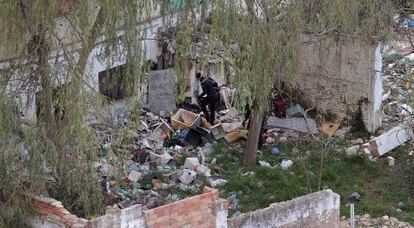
(191, 163)
(187, 176)
(161, 97)
(296, 124)
(353, 150)
(203, 170)
(134, 176)
(391, 161)
(217, 131)
(390, 140)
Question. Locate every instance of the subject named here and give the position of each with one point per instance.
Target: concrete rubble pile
(398, 87)
(154, 161)
(367, 221)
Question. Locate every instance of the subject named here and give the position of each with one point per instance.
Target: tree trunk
(253, 138)
(88, 46)
(46, 94)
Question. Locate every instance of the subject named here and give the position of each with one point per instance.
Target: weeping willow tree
(45, 46)
(268, 36)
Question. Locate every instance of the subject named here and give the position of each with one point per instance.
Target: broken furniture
(159, 132)
(185, 119)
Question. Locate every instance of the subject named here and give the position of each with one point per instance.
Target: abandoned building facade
(351, 78)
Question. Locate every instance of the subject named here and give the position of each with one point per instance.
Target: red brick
(207, 195)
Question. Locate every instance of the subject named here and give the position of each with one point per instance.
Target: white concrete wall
(94, 65)
(375, 117)
(319, 209)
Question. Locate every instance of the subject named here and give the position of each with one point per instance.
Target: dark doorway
(112, 83)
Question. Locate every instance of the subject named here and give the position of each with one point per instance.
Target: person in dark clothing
(209, 97)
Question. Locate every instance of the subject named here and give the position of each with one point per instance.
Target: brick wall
(318, 210)
(196, 211)
(52, 214)
(205, 210)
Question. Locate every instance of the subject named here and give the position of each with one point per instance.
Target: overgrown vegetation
(357, 122)
(59, 146)
(318, 166)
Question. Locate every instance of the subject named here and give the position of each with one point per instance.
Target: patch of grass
(381, 187)
(176, 190)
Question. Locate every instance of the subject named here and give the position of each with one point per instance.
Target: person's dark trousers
(212, 104)
(212, 107)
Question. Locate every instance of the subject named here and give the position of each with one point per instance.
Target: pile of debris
(150, 159)
(398, 75)
(367, 221)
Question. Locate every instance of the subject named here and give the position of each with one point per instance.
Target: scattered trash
(203, 170)
(408, 22)
(187, 176)
(283, 139)
(134, 176)
(236, 214)
(270, 140)
(157, 184)
(353, 150)
(274, 150)
(217, 183)
(398, 210)
(407, 110)
(265, 164)
(160, 131)
(357, 141)
(355, 197)
(295, 111)
(391, 161)
(286, 164)
(191, 163)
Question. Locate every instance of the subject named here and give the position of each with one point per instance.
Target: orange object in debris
(205, 123)
(406, 84)
(166, 136)
(329, 128)
(235, 136)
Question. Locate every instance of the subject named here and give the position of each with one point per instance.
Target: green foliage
(381, 188)
(60, 146)
(269, 35)
(357, 122)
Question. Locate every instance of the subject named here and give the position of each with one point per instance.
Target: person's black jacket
(210, 87)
